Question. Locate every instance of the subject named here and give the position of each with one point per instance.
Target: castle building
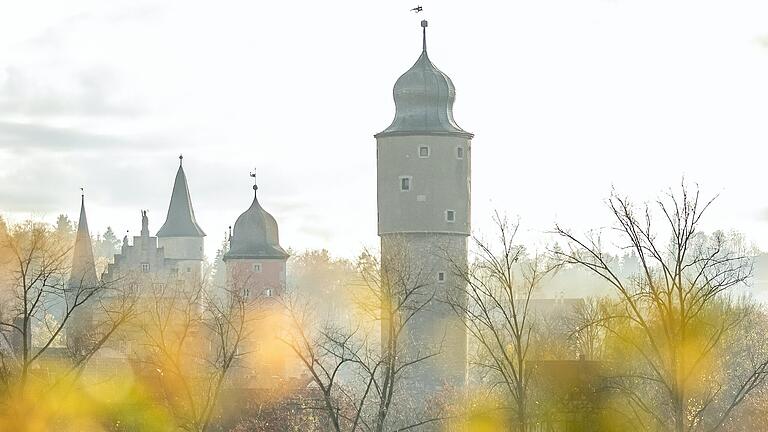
(423, 185)
(142, 260)
(174, 256)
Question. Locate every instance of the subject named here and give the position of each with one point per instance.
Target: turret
(82, 282)
(255, 264)
(255, 260)
(83, 273)
(180, 235)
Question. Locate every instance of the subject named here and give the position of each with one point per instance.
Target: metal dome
(255, 235)
(424, 98)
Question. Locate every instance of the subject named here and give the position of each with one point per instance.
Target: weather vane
(417, 9)
(181, 158)
(253, 174)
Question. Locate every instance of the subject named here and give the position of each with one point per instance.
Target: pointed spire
(424, 25)
(180, 221)
(83, 272)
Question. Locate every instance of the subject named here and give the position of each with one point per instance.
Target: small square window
(459, 152)
(257, 268)
(450, 216)
(246, 292)
(268, 292)
(441, 276)
(145, 267)
(405, 183)
(424, 152)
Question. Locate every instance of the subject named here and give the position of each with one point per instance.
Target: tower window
(257, 268)
(450, 216)
(441, 276)
(145, 267)
(459, 152)
(268, 292)
(405, 183)
(424, 151)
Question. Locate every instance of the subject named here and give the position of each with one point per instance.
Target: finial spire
(181, 159)
(180, 221)
(424, 25)
(83, 271)
(253, 174)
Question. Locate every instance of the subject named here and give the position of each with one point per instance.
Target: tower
(423, 185)
(255, 260)
(255, 266)
(82, 280)
(180, 236)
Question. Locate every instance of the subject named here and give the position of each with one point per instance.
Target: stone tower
(180, 236)
(423, 185)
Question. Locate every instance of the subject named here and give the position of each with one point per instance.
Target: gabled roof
(180, 221)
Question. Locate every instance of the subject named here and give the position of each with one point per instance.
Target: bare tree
(227, 320)
(585, 326)
(500, 282)
(36, 267)
(192, 339)
(399, 285)
(671, 315)
(328, 352)
(364, 379)
(113, 309)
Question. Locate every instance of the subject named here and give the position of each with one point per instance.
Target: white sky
(566, 99)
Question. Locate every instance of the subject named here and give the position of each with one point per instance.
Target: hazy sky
(566, 99)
